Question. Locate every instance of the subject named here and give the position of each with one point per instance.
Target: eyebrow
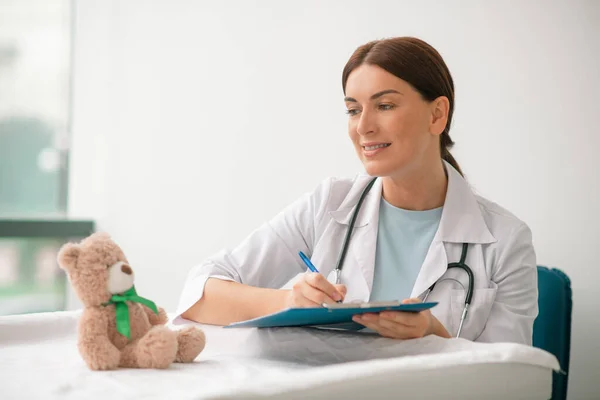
(376, 95)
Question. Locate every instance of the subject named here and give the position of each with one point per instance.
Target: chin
(382, 168)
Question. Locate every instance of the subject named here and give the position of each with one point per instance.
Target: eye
(386, 107)
(352, 112)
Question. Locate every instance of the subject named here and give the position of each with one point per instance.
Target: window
(35, 76)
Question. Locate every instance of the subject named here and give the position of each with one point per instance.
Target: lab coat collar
(369, 210)
(364, 237)
(461, 220)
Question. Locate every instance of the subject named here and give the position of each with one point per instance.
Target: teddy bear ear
(67, 256)
(100, 235)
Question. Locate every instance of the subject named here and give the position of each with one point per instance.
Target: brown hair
(417, 63)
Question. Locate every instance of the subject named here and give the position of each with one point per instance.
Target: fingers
(319, 282)
(388, 326)
(411, 319)
(316, 295)
(399, 317)
(372, 321)
(342, 289)
(398, 328)
(301, 301)
(314, 290)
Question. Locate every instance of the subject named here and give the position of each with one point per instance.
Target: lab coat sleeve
(268, 257)
(516, 303)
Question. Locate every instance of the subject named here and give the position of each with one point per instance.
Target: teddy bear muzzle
(120, 277)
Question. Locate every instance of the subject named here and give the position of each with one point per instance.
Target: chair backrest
(552, 327)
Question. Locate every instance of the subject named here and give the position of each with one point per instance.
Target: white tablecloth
(39, 359)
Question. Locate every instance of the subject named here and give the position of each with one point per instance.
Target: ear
(100, 235)
(440, 108)
(67, 256)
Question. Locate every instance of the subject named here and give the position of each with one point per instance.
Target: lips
(373, 149)
(375, 146)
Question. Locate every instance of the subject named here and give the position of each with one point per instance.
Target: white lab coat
(500, 254)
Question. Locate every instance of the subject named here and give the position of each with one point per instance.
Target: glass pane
(35, 48)
(30, 279)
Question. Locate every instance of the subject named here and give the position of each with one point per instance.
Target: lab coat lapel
(434, 266)
(361, 252)
(461, 222)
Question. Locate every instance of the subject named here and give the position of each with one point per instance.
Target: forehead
(367, 80)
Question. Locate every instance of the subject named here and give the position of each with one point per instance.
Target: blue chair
(552, 327)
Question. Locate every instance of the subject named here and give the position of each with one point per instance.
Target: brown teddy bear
(118, 328)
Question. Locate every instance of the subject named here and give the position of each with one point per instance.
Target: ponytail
(445, 144)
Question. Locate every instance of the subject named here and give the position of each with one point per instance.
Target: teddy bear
(117, 327)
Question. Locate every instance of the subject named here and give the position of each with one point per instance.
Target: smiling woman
(416, 222)
(401, 84)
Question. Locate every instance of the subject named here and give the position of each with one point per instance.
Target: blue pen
(308, 263)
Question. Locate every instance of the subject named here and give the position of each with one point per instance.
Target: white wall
(196, 121)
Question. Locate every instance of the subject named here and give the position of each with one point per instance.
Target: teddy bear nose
(126, 269)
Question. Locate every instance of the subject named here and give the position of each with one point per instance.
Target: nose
(126, 269)
(365, 124)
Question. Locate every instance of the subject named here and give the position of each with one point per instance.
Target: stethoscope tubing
(461, 264)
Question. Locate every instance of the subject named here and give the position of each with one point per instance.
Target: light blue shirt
(403, 240)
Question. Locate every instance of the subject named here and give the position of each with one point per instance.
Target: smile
(377, 146)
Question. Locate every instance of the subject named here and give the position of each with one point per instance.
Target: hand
(403, 325)
(312, 290)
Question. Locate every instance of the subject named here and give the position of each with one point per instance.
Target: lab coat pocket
(479, 310)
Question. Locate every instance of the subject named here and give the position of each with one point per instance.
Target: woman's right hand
(312, 290)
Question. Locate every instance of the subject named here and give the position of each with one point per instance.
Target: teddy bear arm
(95, 347)
(155, 319)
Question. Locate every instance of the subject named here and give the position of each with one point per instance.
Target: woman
(412, 224)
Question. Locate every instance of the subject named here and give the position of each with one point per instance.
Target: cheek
(407, 127)
(352, 132)
(351, 128)
(402, 123)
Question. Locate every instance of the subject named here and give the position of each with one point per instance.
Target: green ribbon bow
(122, 311)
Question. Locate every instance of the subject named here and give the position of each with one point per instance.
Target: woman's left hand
(403, 325)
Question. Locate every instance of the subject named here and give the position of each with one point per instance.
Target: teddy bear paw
(157, 349)
(101, 359)
(191, 342)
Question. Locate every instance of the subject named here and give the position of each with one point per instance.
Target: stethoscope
(461, 264)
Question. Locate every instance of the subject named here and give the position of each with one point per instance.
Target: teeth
(377, 146)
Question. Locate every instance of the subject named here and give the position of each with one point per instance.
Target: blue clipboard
(329, 314)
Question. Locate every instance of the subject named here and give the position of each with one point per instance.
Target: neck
(419, 190)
